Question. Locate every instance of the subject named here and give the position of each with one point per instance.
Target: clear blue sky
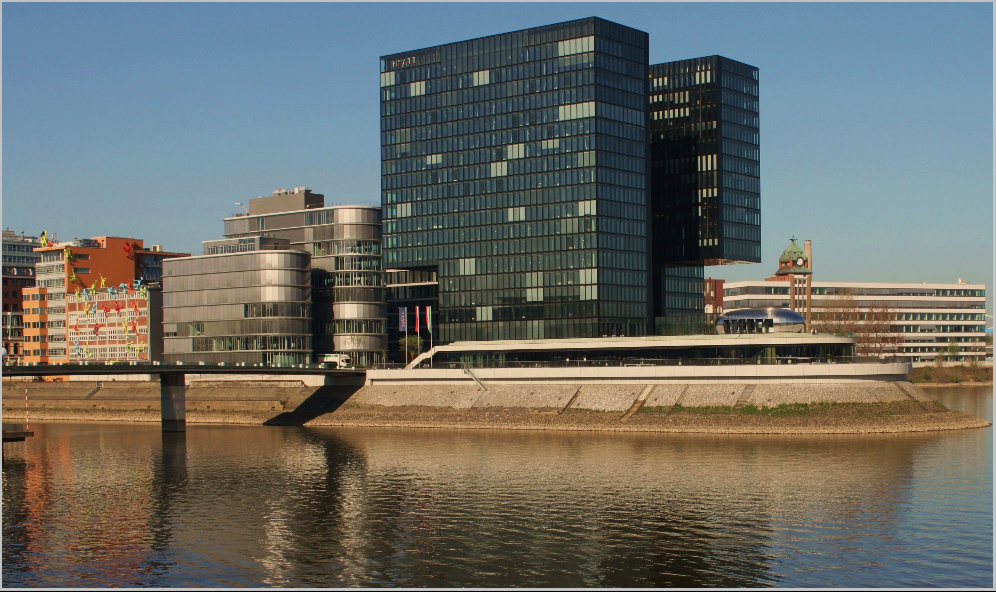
(151, 120)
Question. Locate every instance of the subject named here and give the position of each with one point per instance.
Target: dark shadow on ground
(326, 399)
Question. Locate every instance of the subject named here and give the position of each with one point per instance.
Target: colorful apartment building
(108, 324)
(85, 289)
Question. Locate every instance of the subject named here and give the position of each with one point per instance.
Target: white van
(340, 360)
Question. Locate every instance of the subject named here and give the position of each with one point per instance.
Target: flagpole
(405, 318)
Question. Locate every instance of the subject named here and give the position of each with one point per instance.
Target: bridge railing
(636, 362)
(153, 367)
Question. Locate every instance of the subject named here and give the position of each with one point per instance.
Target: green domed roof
(788, 263)
(791, 253)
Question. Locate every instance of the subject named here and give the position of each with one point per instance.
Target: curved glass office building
(250, 308)
(347, 275)
(348, 255)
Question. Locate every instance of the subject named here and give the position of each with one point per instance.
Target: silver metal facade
(761, 320)
(348, 253)
(349, 296)
(250, 308)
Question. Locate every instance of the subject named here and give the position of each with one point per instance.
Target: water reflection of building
(352, 507)
(87, 520)
(703, 509)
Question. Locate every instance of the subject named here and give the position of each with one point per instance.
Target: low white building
(923, 319)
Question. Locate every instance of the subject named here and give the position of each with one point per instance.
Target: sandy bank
(894, 417)
(836, 419)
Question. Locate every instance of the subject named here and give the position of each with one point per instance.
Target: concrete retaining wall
(132, 395)
(457, 397)
(772, 395)
(665, 395)
(453, 389)
(618, 398)
(537, 396)
(744, 373)
(608, 397)
(714, 395)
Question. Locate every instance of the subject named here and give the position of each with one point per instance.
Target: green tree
(949, 353)
(952, 351)
(410, 346)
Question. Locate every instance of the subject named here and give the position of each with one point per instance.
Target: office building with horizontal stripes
(913, 321)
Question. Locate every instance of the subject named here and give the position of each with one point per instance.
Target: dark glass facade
(410, 288)
(705, 187)
(516, 166)
(683, 301)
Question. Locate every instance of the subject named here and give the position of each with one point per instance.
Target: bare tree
(871, 327)
(874, 335)
(838, 315)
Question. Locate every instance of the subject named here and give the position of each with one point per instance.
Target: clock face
(799, 262)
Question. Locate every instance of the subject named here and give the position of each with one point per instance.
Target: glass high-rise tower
(516, 167)
(705, 188)
(558, 185)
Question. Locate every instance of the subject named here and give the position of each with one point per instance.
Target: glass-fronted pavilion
(694, 350)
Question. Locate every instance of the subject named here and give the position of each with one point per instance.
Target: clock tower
(794, 266)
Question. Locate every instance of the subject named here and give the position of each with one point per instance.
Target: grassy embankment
(966, 373)
(840, 410)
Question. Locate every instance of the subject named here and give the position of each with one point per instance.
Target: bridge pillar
(172, 398)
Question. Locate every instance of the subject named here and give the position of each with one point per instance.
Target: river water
(102, 505)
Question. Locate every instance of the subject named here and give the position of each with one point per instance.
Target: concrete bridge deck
(172, 379)
(172, 369)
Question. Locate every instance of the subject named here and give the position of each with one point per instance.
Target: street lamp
(243, 206)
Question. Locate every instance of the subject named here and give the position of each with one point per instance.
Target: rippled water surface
(124, 505)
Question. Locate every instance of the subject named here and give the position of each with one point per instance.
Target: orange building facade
(84, 291)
